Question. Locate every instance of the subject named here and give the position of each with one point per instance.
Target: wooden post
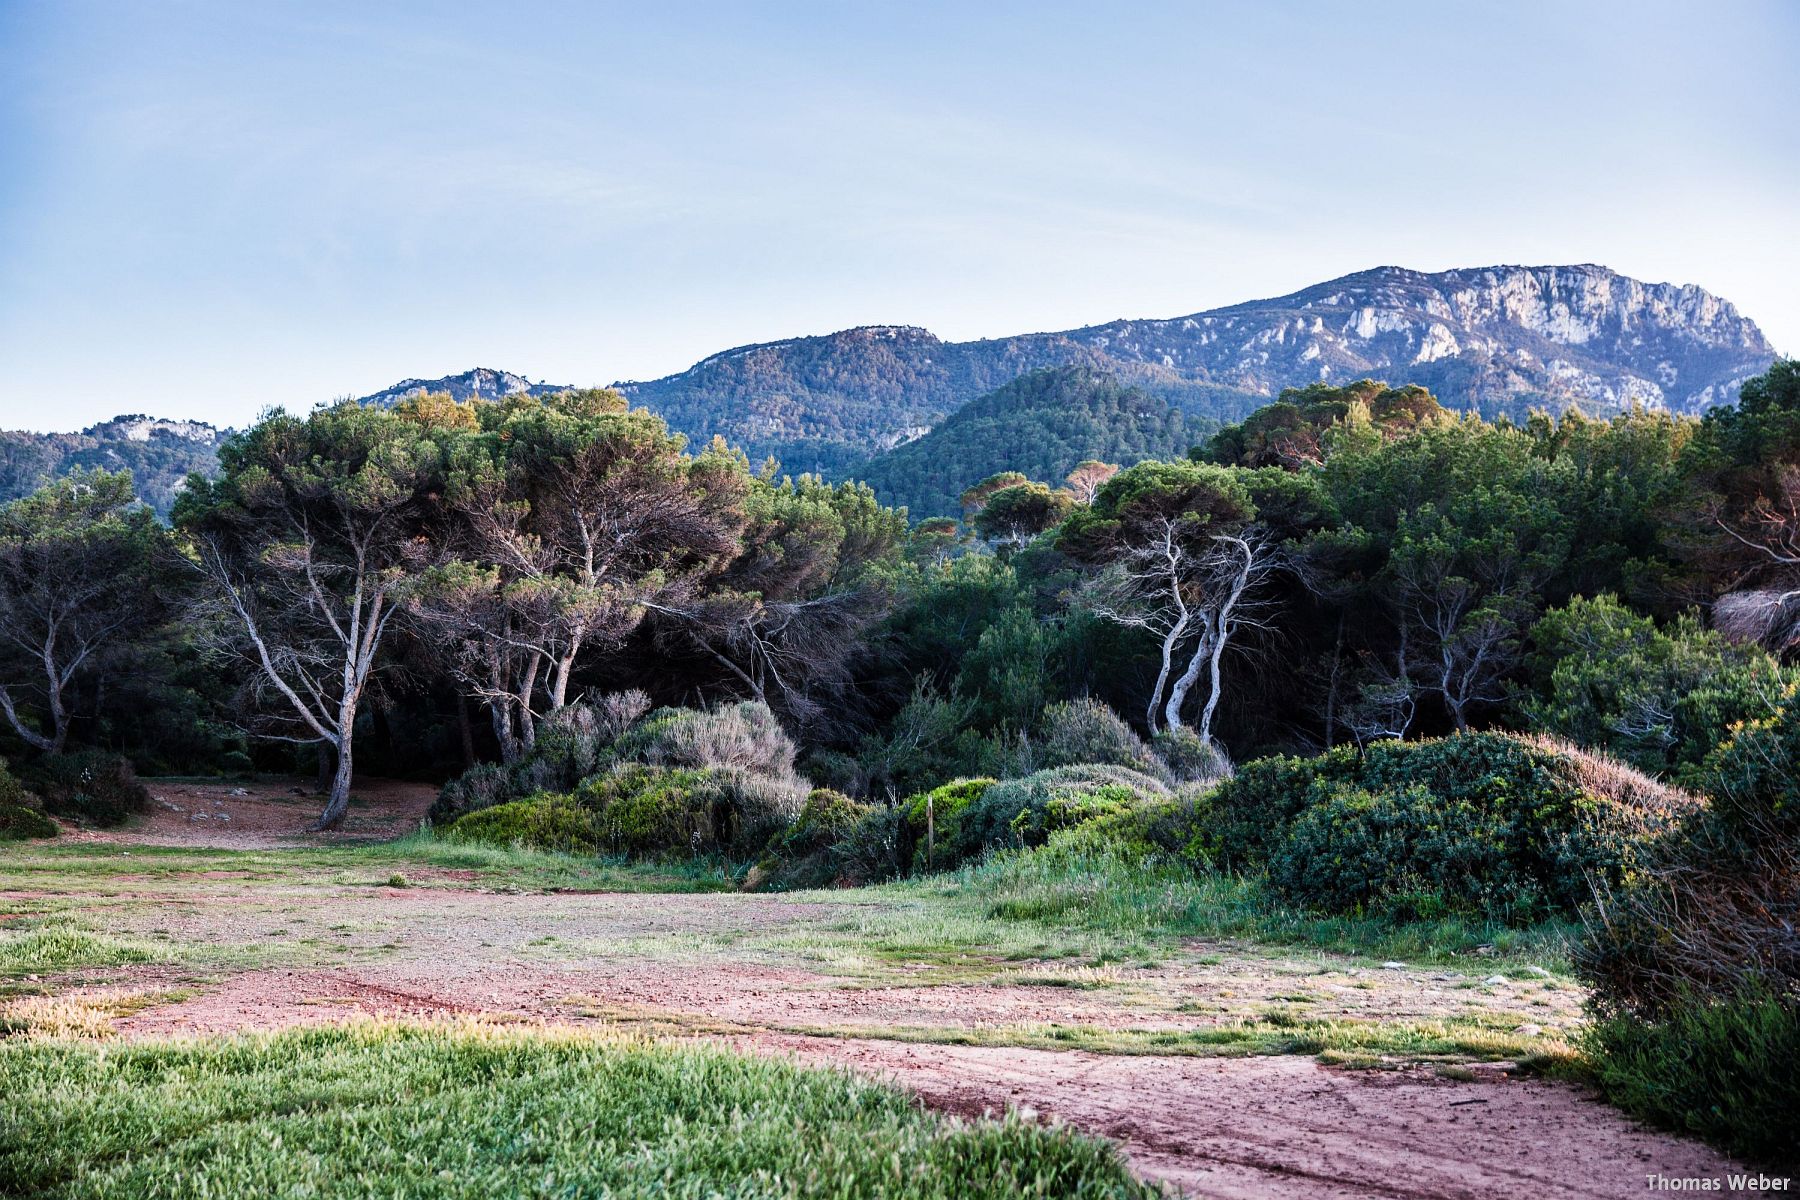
(930, 833)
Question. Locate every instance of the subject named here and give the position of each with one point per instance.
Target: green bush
(89, 785)
(1190, 758)
(19, 815)
(1087, 731)
(1727, 1070)
(936, 817)
(1693, 964)
(1405, 852)
(644, 810)
(236, 764)
(875, 849)
(745, 736)
(658, 810)
(1514, 828)
(1660, 698)
(481, 786)
(822, 822)
(806, 853)
(1248, 815)
(547, 821)
(1025, 812)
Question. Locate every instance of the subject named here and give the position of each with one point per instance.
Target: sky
(211, 207)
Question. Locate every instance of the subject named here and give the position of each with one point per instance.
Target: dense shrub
(745, 736)
(481, 786)
(876, 848)
(547, 821)
(640, 808)
(1510, 827)
(615, 712)
(645, 810)
(1727, 1070)
(808, 852)
(822, 822)
(1190, 758)
(1247, 816)
(19, 815)
(934, 819)
(89, 785)
(1025, 812)
(569, 743)
(1087, 731)
(1659, 698)
(1694, 964)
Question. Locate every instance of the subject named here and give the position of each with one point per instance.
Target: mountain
(1500, 340)
(159, 453)
(827, 403)
(483, 383)
(1041, 424)
(1494, 339)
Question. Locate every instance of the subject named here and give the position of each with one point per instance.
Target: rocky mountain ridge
(1497, 340)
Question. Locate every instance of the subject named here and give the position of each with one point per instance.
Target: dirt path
(827, 978)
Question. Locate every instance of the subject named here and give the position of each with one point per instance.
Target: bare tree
(1194, 597)
(1085, 480)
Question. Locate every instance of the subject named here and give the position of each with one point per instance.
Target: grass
(464, 1111)
(1342, 1041)
(1140, 903)
(64, 946)
(110, 869)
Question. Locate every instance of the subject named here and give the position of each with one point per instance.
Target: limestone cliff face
(1494, 339)
(483, 383)
(1500, 339)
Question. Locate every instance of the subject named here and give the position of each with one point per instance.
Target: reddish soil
(264, 815)
(1244, 1128)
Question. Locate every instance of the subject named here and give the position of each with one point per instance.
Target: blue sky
(209, 207)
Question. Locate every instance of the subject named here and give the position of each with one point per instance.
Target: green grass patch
(100, 868)
(468, 1111)
(1136, 901)
(1342, 1040)
(63, 946)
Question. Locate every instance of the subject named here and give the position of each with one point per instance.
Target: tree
(1743, 534)
(309, 540)
(78, 560)
(1178, 555)
(1011, 516)
(1085, 480)
(791, 613)
(568, 518)
(1448, 540)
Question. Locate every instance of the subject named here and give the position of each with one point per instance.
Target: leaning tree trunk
(338, 801)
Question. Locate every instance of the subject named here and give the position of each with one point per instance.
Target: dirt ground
(788, 976)
(264, 815)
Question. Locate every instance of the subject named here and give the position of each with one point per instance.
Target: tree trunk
(339, 800)
(466, 730)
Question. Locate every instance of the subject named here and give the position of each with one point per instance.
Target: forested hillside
(1042, 424)
(158, 453)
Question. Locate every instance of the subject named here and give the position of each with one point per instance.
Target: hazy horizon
(208, 210)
